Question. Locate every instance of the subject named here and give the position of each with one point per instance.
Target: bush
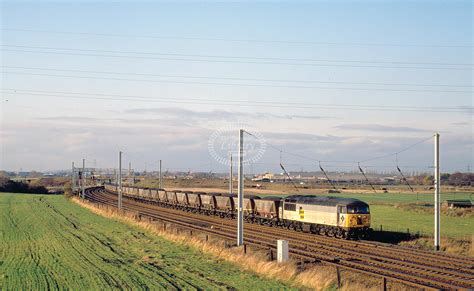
(68, 189)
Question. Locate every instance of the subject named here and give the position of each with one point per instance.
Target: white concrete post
(282, 251)
(437, 181)
(240, 213)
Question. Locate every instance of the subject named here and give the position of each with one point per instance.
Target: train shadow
(392, 237)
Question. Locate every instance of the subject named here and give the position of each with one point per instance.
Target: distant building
(266, 177)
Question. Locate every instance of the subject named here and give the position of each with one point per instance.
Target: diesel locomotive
(331, 216)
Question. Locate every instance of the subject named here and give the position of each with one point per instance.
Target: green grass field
(375, 198)
(47, 242)
(396, 219)
(384, 212)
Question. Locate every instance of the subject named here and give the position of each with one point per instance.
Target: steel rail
(369, 265)
(440, 273)
(389, 251)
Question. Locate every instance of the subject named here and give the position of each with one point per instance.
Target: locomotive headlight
(353, 220)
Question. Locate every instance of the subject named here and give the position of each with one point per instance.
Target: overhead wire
(398, 152)
(371, 159)
(403, 176)
(239, 79)
(327, 177)
(288, 175)
(274, 104)
(236, 62)
(339, 166)
(358, 163)
(235, 57)
(366, 179)
(239, 40)
(347, 162)
(237, 84)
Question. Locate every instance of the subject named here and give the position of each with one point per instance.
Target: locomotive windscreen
(358, 209)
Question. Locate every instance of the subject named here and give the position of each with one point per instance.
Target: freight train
(331, 216)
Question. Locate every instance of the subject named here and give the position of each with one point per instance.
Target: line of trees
(455, 179)
(7, 185)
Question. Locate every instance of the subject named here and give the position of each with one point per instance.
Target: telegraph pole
(437, 181)
(73, 188)
(231, 176)
(129, 172)
(240, 216)
(120, 182)
(83, 177)
(161, 178)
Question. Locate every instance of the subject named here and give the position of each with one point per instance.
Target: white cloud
(379, 128)
(180, 137)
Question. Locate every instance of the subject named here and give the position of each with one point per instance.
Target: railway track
(417, 268)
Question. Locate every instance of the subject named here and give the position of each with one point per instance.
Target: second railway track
(416, 268)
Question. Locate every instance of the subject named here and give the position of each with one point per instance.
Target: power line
(366, 179)
(380, 166)
(116, 97)
(236, 84)
(327, 177)
(288, 175)
(240, 40)
(396, 153)
(286, 152)
(238, 62)
(235, 57)
(350, 164)
(358, 164)
(240, 79)
(403, 176)
(344, 162)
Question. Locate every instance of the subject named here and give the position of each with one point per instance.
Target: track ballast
(413, 267)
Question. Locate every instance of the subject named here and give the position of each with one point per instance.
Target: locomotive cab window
(290, 206)
(358, 209)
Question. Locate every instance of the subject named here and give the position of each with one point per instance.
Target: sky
(340, 82)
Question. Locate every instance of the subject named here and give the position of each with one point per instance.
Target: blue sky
(418, 46)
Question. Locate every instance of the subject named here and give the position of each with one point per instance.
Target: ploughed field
(47, 242)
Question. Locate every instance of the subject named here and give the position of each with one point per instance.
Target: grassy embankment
(47, 242)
